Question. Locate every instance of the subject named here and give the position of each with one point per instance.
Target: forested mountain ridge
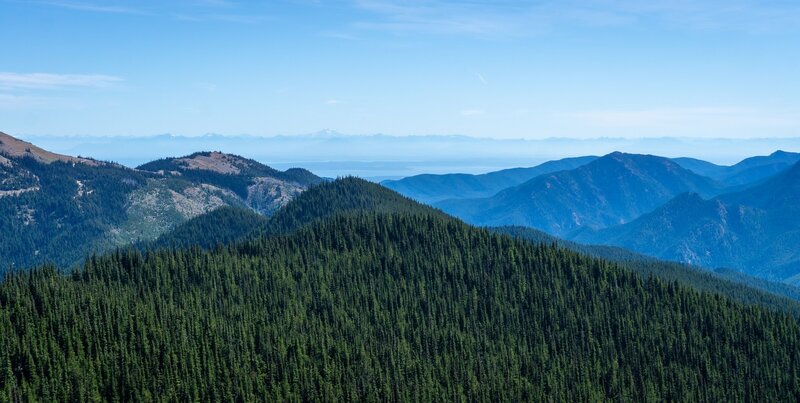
(733, 284)
(613, 189)
(218, 227)
(344, 196)
(428, 188)
(756, 230)
(56, 208)
(353, 196)
(381, 306)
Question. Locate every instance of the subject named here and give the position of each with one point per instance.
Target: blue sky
(501, 69)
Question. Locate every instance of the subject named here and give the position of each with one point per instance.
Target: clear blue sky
(498, 69)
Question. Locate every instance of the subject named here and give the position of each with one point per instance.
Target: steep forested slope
(736, 285)
(344, 196)
(59, 211)
(218, 227)
(613, 189)
(349, 196)
(382, 307)
(429, 188)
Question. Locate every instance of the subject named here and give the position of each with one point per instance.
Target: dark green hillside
(343, 196)
(739, 286)
(382, 307)
(221, 226)
(66, 212)
(353, 196)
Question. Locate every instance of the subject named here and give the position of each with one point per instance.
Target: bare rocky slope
(57, 208)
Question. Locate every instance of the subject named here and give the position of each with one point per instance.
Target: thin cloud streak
(235, 18)
(196, 10)
(472, 112)
(506, 18)
(93, 7)
(50, 81)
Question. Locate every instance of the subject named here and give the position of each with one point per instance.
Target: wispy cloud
(46, 80)
(481, 78)
(444, 17)
(473, 112)
(39, 90)
(186, 10)
(338, 35)
(31, 101)
(333, 101)
(236, 18)
(93, 7)
(11, 101)
(216, 3)
(505, 17)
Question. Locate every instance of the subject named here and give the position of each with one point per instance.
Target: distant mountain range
(756, 230)
(361, 294)
(748, 171)
(741, 216)
(433, 188)
(429, 188)
(610, 190)
(331, 154)
(353, 196)
(58, 208)
(249, 283)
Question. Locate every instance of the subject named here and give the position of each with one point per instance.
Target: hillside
(611, 190)
(260, 187)
(11, 147)
(353, 196)
(735, 285)
(382, 306)
(429, 188)
(217, 227)
(755, 230)
(344, 196)
(58, 209)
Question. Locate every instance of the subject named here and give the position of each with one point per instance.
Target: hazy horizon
(330, 153)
